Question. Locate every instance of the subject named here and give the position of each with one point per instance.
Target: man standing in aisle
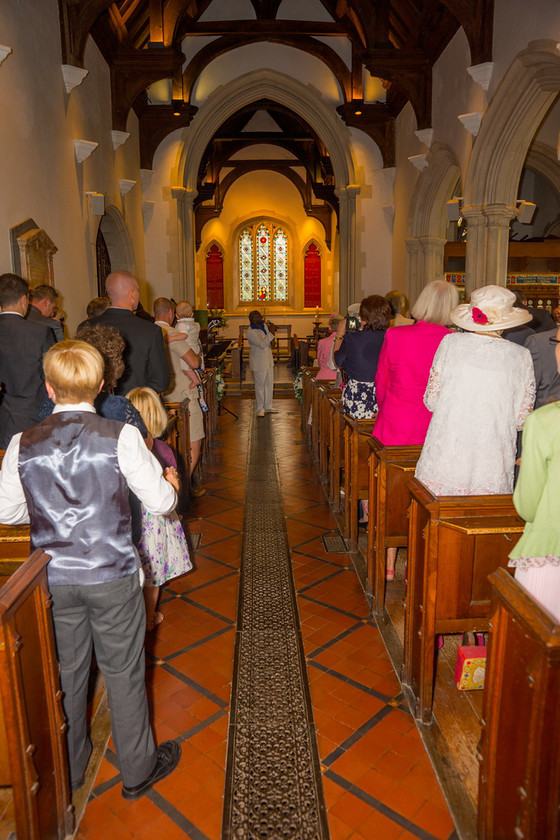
(145, 362)
(42, 306)
(260, 336)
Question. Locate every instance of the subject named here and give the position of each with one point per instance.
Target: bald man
(144, 354)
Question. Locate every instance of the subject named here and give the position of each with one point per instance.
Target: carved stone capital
(481, 73)
(4, 53)
(73, 76)
(419, 161)
(118, 138)
(125, 185)
(471, 121)
(83, 149)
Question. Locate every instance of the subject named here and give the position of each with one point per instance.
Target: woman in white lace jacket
(480, 390)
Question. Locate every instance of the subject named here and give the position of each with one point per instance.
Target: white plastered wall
(38, 171)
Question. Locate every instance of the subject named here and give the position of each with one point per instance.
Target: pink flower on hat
(478, 316)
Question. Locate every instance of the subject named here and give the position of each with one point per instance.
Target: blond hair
(435, 302)
(74, 370)
(184, 309)
(150, 409)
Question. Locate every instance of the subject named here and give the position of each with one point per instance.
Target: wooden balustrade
(519, 790)
(454, 542)
(356, 481)
(33, 757)
(390, 468)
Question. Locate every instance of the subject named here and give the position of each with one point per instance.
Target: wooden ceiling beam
(132, 71)
(262, 26)
(230, 42)
(477, 19)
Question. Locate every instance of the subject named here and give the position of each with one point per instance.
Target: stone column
(185, 243)
(348, 284)
(499, 218)
(432, 247)
(475, 261)
(414, 268)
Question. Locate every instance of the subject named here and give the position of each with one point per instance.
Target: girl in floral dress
(163, 547)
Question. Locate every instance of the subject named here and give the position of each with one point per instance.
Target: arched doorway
(113, 247)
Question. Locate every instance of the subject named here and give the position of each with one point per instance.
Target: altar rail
(454, 543)
(519, 792)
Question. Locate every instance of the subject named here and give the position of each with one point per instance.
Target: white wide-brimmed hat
(491, 309)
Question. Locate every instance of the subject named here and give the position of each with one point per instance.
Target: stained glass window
(280, 249)
(263, 262)
(246, 264)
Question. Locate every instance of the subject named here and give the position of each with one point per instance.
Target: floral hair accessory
(478, 316)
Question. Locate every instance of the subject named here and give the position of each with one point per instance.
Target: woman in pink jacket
(325, 348)
(403, 371)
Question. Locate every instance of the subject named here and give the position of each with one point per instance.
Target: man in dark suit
(144, 355)
(42, 306)
(22, 346)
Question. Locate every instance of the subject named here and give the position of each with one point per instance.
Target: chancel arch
(521, 102)
(427, 226)
(288, 92)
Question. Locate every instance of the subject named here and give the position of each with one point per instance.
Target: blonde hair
(435, 302)
(184, 309)
(152, 412)
(74, 370)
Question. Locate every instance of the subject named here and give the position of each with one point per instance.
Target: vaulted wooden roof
(395, 40)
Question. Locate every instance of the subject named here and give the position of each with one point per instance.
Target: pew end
(454, 543)
(36, 767)
(389, 470)
(519, 783)
(357, 434)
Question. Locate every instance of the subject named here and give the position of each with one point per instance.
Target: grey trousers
(110, 617)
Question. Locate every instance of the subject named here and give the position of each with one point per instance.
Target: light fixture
(177, 104)
(358, 113)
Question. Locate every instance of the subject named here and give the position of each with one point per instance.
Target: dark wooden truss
(395, 40)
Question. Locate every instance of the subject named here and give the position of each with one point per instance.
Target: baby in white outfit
(191, 329)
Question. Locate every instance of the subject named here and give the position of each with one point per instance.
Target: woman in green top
(536, 556)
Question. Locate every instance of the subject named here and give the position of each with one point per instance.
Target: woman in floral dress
(163, 547)
(356, 353)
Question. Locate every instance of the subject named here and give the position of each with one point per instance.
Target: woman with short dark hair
(356, 353)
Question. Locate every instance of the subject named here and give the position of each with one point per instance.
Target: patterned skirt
(163, 549)
(358, 400)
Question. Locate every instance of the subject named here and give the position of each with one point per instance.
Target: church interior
(293, 156)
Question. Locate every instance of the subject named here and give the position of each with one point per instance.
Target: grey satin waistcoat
(77, 498)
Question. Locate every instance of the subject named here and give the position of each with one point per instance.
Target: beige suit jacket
(260, 354)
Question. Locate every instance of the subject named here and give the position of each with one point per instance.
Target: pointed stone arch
(427, 223)
(523, 98)
(304, 100)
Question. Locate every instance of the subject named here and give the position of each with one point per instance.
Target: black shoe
(168, 756)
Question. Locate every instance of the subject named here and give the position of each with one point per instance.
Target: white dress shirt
(142, 471)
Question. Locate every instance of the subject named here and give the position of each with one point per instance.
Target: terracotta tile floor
(378, 782)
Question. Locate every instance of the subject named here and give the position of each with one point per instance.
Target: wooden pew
(336, 448)
(316, 392)
(308, 377)
(519, 783)
(32, 722)
(14, 549)
(183, 450)
(389, 470)
(454, 542)
(356, 450)
(325, 410)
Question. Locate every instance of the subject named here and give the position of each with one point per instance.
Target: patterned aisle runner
(273, 780)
